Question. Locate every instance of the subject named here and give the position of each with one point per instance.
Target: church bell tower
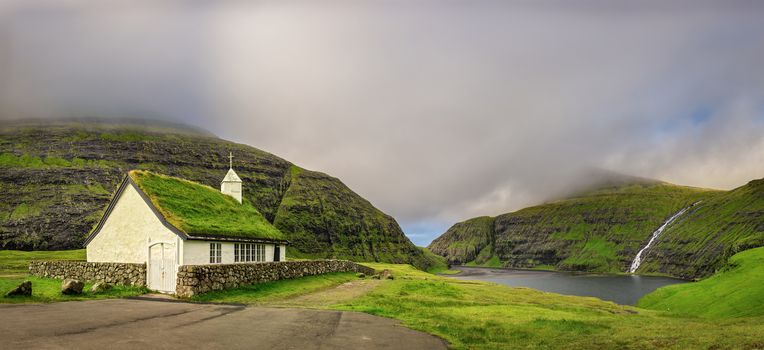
(231, 184)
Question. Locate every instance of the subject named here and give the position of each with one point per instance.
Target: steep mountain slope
(57, 177)
(600, 230)
(702, 240)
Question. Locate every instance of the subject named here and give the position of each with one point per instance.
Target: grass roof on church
(200, 210)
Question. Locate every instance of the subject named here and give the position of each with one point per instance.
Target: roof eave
(202, 237)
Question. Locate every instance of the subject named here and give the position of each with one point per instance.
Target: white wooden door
(162, 267)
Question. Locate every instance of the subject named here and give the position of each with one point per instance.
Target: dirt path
(145, 324)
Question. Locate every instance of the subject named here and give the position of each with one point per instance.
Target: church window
(216, 255)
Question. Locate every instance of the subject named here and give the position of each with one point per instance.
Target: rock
(361, 275)
(100, 287)
(386, 275)
(71, 287)
(25, 289)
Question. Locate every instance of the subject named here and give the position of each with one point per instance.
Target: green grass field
(737, 291)
(14, 269)
(277, 290)
(14, 263)
(46, 290)
(481, 315)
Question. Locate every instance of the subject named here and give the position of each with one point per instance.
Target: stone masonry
(196, 279)
(112, 273)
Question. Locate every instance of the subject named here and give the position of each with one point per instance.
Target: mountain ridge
(54, 191)
(602, 230)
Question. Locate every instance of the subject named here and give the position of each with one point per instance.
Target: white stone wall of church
(125, 234)
(198, 252)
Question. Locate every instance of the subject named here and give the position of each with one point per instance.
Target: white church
(166, 222)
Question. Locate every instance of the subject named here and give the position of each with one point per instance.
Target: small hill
(56, 178)
(735, 291)
(599, 230)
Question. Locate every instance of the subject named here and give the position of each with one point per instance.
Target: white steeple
(231, 184)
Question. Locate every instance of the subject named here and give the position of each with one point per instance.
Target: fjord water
(622, 289)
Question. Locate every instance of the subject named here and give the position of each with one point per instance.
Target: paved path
(144, 324)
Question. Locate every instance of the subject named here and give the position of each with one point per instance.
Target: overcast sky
(434, 110)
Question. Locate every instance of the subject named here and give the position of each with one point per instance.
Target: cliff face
(702, 240)
(57, 178)
(602, 230)
(464, 241)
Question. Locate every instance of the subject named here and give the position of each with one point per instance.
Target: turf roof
(200, 210)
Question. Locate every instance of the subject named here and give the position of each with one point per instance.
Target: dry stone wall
(196, 279)
(112, 273)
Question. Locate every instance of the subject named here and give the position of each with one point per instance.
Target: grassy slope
(52, 193)
(437, 264)
(597, 231)
(202, 210)
(737, 291)
(325, 219)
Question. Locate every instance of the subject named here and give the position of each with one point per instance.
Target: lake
(622, 289)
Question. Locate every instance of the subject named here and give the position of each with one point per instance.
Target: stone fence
(196, 279)
(113, 273)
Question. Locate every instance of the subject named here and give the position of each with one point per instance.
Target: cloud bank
(436, 111)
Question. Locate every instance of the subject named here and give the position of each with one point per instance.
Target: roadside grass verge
(737, 291)
(46, 290)
(266, 292)
(482, 315)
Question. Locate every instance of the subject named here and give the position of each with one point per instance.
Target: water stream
(638, 259)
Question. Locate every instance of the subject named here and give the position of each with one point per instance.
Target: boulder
(100, 287)
(25, 289)
(361, 275)
(386, 275)
(71, 287)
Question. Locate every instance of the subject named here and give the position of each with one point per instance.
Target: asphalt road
(145, 324)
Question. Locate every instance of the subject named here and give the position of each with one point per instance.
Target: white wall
(198, 252)
(126, 232)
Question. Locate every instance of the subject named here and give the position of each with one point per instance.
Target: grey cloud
(436, 111)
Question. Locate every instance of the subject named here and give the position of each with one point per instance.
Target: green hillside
(599, 231)
(56, 179)
(706, 237)
(737, 291)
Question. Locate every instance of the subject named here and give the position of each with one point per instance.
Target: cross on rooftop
(230, 160)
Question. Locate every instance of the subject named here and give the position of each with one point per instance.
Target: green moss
(50, 162)
(25, 210)
(201, 210)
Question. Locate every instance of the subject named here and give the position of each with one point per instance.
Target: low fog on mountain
(435, 111)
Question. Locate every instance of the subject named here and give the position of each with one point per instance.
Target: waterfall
(638, 259)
